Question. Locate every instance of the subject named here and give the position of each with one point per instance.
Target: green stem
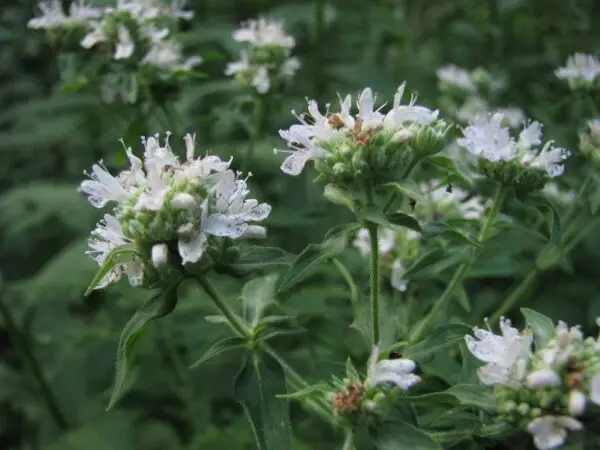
(374, 280)
(22, 346)
(462, 270)
(515, 295)
(296, 381)
(257, 125)
(349, 440)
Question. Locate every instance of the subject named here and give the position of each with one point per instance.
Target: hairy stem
(22, 346)
(462, 270)
(374, 280)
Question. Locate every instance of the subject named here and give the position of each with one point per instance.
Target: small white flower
(513, 117)
(552, 190)
(473, 107)
(106, 237)
(396, 371)
(456, 76)
(577, 403)
(125, 46)
(397, 278)
(387, 241)
(159, 254)
(551, 431)
(580, 67)
(184, 200)
(504, 354)
(289, 67)
(543, 378)
(264, 32)
(261, 80)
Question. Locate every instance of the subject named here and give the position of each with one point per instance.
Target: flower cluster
(370, 147)
(353, 395)
(398, 248)
(513, 162)
(170, 213)
(465, 95)
(266, 61)
(580, 71)
(132, 33)
(543, 391)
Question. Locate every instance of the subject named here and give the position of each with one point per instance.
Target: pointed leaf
(372, 213)
(476, 395)
(437, 340)
(441, 228)
(219, 347)
(158, 306)
(400, 435)
(256, 387)
(542, 326)
(256, 257)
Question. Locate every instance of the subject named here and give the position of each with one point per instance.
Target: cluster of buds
(138, 36)
(589, 141)
(516, 163)
(399, 248)
(580, 72)
(172, 215)
(465, 94)
(353, 396)
(370, 148)
(267, 60)
(544, 391)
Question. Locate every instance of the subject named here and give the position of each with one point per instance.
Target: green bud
(523, 409)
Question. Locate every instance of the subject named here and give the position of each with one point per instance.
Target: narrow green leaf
(257, 295)
(404, 220)
(256, 258)
(111, 260)
(399, 435)
(434, 397)
(433, 263)
(310, 257)
(256, 387)
(308, 392)
(441, 228)
(542, 326)
(594, 195)
(437, 340)
(158, 306)
(448, 165)
(371, 213)
(474, 395)
(219, 347)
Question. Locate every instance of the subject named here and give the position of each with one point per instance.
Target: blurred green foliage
(48, 137)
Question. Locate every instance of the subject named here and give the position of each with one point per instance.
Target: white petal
(159, 254)
(543, 378)
(191, 250)
(224, 225)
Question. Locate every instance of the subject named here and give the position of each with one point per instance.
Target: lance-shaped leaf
(542, 326)
(257, 295)
(112, 259)
(256, 257)
(158, 306)
(257, 388)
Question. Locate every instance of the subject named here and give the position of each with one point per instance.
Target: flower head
(453, 76)
(263, 32)
(506, 355)
(516, 161)
(366, 145)
(551, 431)
(581, 70)
(189, 208)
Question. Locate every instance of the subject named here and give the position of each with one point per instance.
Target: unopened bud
(369, 405)
(543, 378)
(577, 401)
(402, 135)
(160, 254)
(183, 200)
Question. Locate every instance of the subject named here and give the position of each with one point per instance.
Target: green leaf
(543, 203)
(400, 435)
(437, 340)
(594, 194)
(256, 387)
(440, 228)
(257, 294)
(219, 347)
(257, 257)
(111, 260)
(479, 396)
(447, 164)
(542, 326)
(371, 213)
(310, 257)
(158, 306)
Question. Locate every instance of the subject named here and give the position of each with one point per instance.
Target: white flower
(125, 46)
(543, 378)
(289, 67)
(552, 190)
(52, 15)
(488, 138)
(396, 371)
(387, 241)
(513, 117)
(473, 107)
(580, 67)
(506, 355)
(577, 403)
(565, 342)
(456, 76)
(551, 431)
(397, 278)
(307, 140)
(160, 254)
(264, 32)
(261, 80)
(106, 237)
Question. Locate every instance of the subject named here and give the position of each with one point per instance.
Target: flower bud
(160, 254)
(577, 401)
(255, 232)
(402, 135)
(183, 200)
(543, 378)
